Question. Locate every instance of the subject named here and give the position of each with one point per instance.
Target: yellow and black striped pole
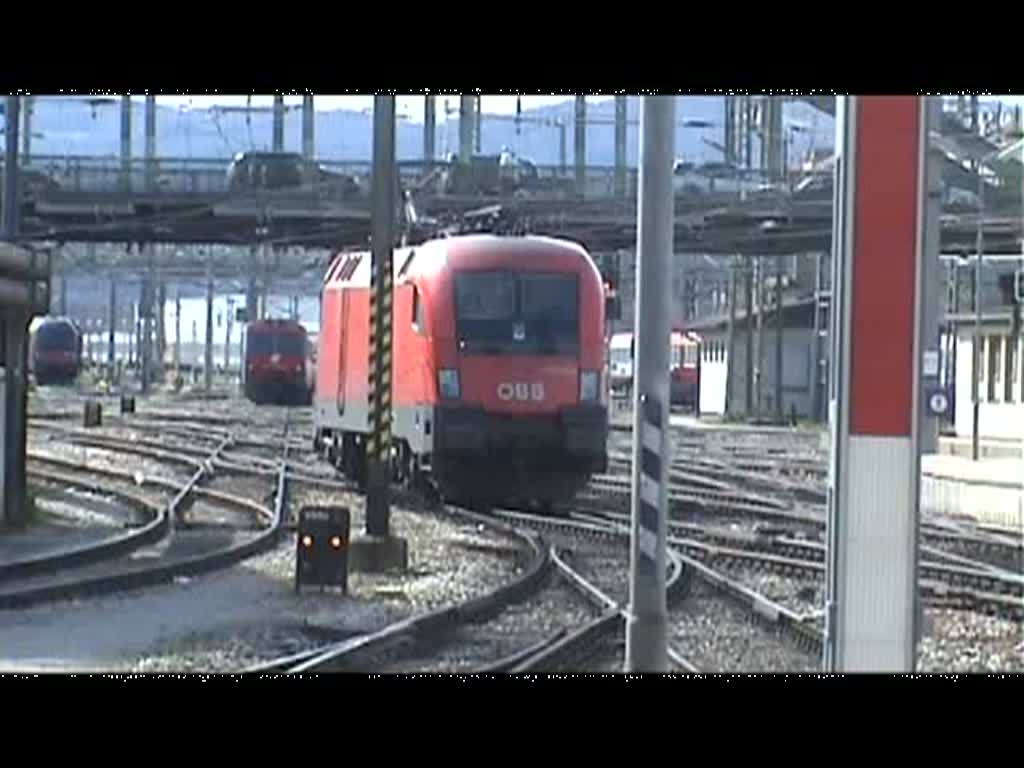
(378, 446)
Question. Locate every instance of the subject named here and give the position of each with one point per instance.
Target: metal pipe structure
(646, 634)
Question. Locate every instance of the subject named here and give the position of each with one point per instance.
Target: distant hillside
(70, 128)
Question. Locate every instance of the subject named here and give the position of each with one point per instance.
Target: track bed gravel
(964, 642)
(103, 459)
(556, 607)
(718, 637)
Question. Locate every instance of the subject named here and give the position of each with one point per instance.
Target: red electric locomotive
(278, 366)
(55, 351)
(498, 354)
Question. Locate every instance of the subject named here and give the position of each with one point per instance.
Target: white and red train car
(498, 347)
(684, 366)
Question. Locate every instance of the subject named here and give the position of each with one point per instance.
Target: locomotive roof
(353, 267)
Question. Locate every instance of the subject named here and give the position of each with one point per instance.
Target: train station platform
(989, 491)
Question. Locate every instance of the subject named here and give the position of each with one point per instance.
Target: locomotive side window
(417, 310)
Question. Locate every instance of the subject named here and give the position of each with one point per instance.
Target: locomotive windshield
(517, 313)
(288, 344)
(56, 336)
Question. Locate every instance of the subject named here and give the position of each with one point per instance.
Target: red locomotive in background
(498, 355)
(55, 351)
(278, 365)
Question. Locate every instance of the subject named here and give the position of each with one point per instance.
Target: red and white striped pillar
(877, 348)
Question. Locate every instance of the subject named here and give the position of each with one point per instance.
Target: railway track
(772, 617)
(180, 539)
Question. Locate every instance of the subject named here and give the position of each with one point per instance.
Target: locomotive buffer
(378, 550)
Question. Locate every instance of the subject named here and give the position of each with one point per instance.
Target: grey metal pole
(228, 326)
(562, 152)
(308, 127)
(11, 170)
(932, 280)
(976, 346)
(580, 145)
(112, 332)
(620, 146)
(126, 142)
(729, 132)
(748, 289)
(146, 305)
(150, 118)
(730, 343)
(26, 134)
(208, 360)
(177, 331)
(478, 131)
(14, 326)
(161, 330)
(379, 398)
(646, 635)
(278, 124)
(779, 319)
(759, 362)
(429, 131)
(466, 128)
(818, 382)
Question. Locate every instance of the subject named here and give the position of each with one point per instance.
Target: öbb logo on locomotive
(523, 391)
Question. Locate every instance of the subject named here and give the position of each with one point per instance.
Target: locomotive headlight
(448, 382)
(588, 386)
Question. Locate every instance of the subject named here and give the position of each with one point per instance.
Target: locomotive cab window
(517, 313)
(417, 311)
